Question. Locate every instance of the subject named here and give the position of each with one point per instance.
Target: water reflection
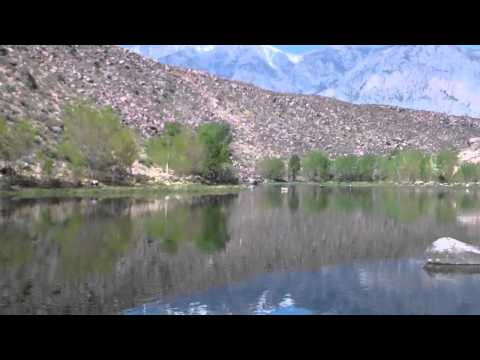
(376, 288)
(257, 252)
(203, 222)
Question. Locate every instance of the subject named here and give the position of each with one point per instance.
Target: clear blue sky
(299, 49)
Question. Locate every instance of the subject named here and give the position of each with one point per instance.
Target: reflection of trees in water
(119, 248)
(82, 243)
(315, 199)
(404, 205)
(80, 253)
(272, 197)
(204, 222)
(293, 199)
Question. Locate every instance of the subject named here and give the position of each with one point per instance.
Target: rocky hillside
(35, 81)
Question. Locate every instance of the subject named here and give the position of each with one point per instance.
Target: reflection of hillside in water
(84, 256)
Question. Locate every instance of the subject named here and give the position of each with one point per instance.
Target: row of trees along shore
(94, 143)
(399, 166)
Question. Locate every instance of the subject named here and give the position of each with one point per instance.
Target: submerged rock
(448, 251)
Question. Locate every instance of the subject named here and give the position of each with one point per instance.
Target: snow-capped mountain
(321, 70)
(262, 65)
(444, 78)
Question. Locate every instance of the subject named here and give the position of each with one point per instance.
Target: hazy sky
(299, 49)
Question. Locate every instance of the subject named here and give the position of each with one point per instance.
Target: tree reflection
(272, 197)
(293, 199)
(315, 199)
(204, 222)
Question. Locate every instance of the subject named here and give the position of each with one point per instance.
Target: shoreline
(201, 189)
(121, 191)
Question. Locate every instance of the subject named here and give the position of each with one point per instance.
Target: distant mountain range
(443, 78)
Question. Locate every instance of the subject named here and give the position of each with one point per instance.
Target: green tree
(272, 169)
(96, 139)
(178, 148)
(426, 167)
(316, 166)
(293, 167)
(385, 168)
(366, 167)
(446, 162)
(216, 138)
(411, 165)
(346, 168)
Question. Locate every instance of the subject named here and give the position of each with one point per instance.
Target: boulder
(448, 251)
(252, 181)
(474, 140)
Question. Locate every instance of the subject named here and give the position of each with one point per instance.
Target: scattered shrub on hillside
(446, 162)
(316, 166)
(47, 166)
(293, 167)
(178, 148)
(16, 140)
(272, 169)
(216, 138)
(96, 139)
(346, 168)
(46, 163)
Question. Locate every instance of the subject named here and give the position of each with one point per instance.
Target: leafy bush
(216, 138)
(96, 139)
(446, 162)
(178, 148)
(272, 169)
(470, 172)
(346, 168)
(293, 167)
(316, 166)
(17, 140)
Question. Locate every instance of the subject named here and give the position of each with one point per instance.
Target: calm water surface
(310, 251)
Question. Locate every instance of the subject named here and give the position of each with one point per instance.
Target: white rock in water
(449, 251)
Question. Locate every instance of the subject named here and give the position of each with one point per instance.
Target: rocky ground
(36, 81)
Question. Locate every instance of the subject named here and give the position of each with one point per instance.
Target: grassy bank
(122, 191)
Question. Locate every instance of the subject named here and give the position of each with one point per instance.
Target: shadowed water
(312, 250)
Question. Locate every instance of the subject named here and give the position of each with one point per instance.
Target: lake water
(311, 251)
